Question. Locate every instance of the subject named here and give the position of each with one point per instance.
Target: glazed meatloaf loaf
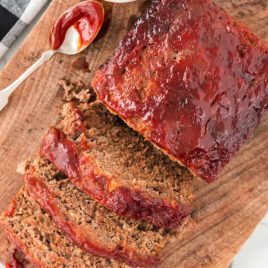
(91, 226)
(116, 167)
(189, 79)
(33, 231)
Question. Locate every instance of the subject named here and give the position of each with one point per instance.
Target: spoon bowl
(71, 44)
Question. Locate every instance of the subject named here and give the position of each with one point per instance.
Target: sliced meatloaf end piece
(92, 226)
(189, 79)
(117, 167)
(33, 231)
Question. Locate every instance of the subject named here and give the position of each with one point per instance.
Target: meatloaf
(33, 231)
(91, 226)
(191, 80)
(117, 167)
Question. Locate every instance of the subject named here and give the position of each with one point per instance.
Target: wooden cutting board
(226, 211)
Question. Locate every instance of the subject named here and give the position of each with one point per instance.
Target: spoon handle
(6, 92)
(45, 56)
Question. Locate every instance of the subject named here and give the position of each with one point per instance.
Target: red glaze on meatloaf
(191, 80)
(76, 160)
(48, 200)
(91, 226)
(36, 235)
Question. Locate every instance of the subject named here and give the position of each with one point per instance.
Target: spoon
(73, 32)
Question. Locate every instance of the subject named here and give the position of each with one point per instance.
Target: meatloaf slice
(189, 79)
(90, 225)
(117, 167)
(33, 231)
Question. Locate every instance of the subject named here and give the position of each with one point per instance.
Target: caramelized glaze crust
(191, 80)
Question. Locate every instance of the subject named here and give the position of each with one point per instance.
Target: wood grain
(226, 211)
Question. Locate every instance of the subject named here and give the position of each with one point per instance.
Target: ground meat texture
(90, 225)
(32, 230)
(189, 79)
(117, 167)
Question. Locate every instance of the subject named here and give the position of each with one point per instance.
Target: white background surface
(254, 253)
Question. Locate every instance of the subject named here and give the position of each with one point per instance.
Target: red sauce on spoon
(87, 17)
